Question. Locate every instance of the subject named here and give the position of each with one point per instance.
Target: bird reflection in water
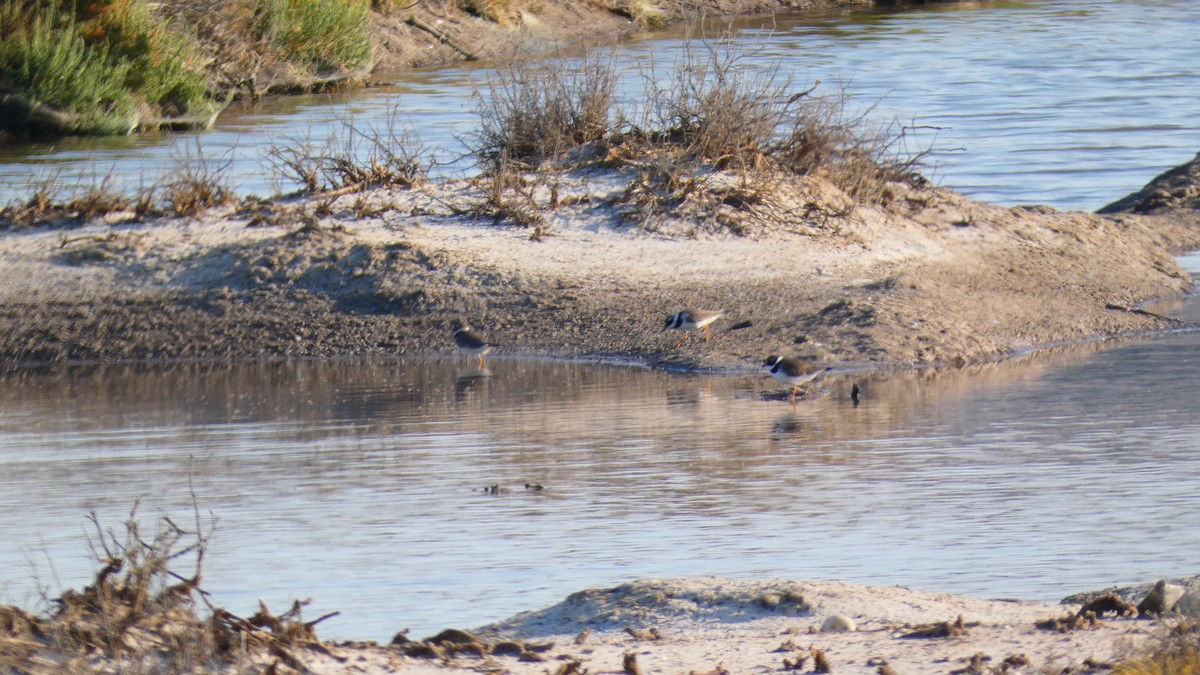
(695, 394)
(467, 379)
(788, 425)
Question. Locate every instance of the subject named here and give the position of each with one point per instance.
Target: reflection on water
(364, 485)
(1072, 103)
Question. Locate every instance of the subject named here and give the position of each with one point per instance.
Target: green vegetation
(318, 34)
(117, 66)
(102, 67)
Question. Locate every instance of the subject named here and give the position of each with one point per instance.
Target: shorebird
(791, 371)
(471, 343)
(690, 319)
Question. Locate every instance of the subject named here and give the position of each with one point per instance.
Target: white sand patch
(696, 625)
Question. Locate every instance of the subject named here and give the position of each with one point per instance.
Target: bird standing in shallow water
(471, 343)
(690, 319)
(791, 371)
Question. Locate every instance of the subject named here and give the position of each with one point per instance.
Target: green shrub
(318, 34)
(109, 64)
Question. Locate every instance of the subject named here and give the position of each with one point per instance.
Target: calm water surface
(361, 484)
(1073, 103)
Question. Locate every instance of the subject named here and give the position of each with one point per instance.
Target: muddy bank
(438, 33)
(926, 277)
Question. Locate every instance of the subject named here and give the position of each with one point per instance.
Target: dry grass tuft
(356, 158)
(825, 137)
(196, 182)
(1179, 654)
(535, 112)
(139, 615)
(643, 12)
(716, 140)
(502, 12)
(98, 200)
(509, 197)
(43, 204)
(46, 205)
(713, 106)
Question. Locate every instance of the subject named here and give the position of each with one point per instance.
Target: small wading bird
(691, 319)
(791, 371)
(471, 343)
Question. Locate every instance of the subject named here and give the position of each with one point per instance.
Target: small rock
(838, 624)
(1161, 599)
(1189, 604)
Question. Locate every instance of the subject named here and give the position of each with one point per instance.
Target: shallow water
(361, 485)
(1072, 103)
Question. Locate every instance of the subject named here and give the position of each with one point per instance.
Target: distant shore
(428, 34)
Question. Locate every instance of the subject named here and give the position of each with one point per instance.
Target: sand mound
(700, 625)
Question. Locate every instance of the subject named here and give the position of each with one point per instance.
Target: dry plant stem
(99, 199)
(508, 196)
(535, 111)
(354, 158)
(196, 182)
(139, 615)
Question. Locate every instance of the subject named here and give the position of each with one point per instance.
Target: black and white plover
(692, 319)
(791, 371)
(471, 343)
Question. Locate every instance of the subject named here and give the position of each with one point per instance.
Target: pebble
(838, 624)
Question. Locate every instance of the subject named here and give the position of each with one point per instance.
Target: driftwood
(441, 37)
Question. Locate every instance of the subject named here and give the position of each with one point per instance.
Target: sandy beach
(714, 625)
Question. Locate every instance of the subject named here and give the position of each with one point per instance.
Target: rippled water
(1073, 103)
(362, 484)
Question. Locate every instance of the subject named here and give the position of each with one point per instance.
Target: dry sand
(700, 625)
(671, 626)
